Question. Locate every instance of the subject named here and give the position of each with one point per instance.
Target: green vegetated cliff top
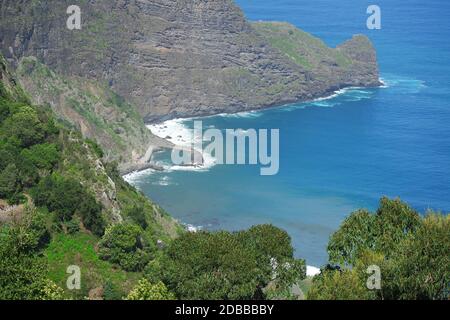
(301, 47)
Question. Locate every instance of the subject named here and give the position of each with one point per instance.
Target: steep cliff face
(95, 110)
(76, 158)
(178, 58)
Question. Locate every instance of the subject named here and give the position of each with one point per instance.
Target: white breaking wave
(326, 102)
(163, 181)
(243, 114)
(312, 271)
(405, 84)
(384, 83)
(192, 228)
(173, 130)
(177, 132)
(134, 176)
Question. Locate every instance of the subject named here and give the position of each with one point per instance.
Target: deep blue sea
(340, 154)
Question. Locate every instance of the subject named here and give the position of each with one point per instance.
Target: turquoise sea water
(340, 154)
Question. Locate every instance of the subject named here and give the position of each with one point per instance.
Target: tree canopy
(412, 252)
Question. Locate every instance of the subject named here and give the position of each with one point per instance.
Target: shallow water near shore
(337, 154)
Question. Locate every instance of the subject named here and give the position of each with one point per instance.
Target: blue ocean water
(340, 154)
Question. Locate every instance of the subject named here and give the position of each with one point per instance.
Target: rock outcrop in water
(181, 58)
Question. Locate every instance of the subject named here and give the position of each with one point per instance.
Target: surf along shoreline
(177, 134)
(167, 140)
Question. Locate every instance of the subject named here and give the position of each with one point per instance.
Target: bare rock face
(179, 58)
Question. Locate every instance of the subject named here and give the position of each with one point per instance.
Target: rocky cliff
(178, 58)
(77, 158)
(137, 61)
(95, 110)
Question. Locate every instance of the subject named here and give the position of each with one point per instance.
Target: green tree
(8, 153)
(22, 269)
(122, 244)
(379, 232)
(43, 156)
(58, 194)
(274, 254)
(67, 197)
(137, 213)
(224, 265)
(90, 212)
(210, 266)
(268, 241)
(4, 108)
(25, 126)
(144, 290)
(411, 252)
(421, 268)
(9, 183)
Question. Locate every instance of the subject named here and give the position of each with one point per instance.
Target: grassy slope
(301, 47)
(79, 249)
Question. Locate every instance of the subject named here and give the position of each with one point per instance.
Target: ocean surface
(339, 154)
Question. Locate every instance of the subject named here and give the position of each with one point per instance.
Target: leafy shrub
(9, 183)
(90, 212)
(225, 265)
(121, 244)
(24, 126)
(42, 156)
(144, 290)
(137, 213)
(73, 226)
(65, 197)
(22, 271)
(51, 291)
(111, 292)
(59, 194)
(97, 149)
(338, 285)
(411, 252)
(4, 108)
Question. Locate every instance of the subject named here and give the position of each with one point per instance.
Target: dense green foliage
(144, 290)
(137, 214)
(66, 197)
(413, 254)
(225, 265)
(22, 268)
(43, 164)
(25, 133)
(122, 244)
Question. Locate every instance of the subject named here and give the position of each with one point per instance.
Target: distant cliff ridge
(177, 58)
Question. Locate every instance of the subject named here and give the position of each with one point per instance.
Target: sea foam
(178, 132)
